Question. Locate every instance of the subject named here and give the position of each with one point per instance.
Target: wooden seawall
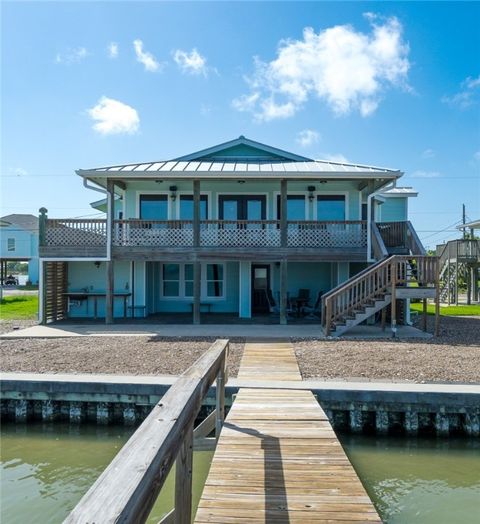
(278, 458)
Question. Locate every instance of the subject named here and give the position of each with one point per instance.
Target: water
(419, 480)
(46, 469)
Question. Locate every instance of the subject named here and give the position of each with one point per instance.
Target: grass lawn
(454, 311)
(19, 307)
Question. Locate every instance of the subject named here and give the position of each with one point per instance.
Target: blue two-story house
(238, 230)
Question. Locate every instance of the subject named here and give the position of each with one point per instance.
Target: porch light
(241, 181)
(311, 190)
(97, 264)
(322, 181)
(173, 192)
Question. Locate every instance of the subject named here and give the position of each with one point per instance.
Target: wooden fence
(127, 490)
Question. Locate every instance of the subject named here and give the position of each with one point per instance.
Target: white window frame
(203, 283)
(346, 194)
(11, 244)
(139, 193)
(208, 194)
(276, 194)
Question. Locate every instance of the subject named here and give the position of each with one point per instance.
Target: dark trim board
(235, 254)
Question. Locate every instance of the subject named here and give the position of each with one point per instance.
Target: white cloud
(147, 59)
(476, 156)
(112, 50)
(18, 171)
(113, 117)
(468, 95)
(428, 153)
(71, 56)
(426, 174)
(347, 69)
(335, 157)
(193, 62)
(307, 137)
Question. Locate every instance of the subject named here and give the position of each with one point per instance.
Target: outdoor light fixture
(97, 264)
(241, 181)
(173, 192)
(311, 190)
(159, 181)
(322, 181)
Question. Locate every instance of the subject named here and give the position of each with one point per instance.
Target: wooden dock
(278, 458)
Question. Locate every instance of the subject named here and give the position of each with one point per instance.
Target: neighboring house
(19, 243)
(240, 229)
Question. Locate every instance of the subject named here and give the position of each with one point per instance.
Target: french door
(242, 207)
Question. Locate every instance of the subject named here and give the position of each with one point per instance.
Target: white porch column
(245, 289)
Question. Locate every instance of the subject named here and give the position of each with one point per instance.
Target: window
(186, 207)
(171, 280)
(295, 207)
(331, 207)
(10, 244)
(214, 280)
(177, 281)
(154, 207)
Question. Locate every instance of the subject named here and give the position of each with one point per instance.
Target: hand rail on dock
(128, 488)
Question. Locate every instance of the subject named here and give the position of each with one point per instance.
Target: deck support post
(424, 318)
(283, 213)
(197, 270)
(109, 264)
(393, 313)
(183, 480)
(109, 292)
(196, 243)
(437, 299)
(220, 398)
(283, 291)
(384, 317)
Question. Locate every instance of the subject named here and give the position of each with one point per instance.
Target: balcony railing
(213, 233)
(240, 233)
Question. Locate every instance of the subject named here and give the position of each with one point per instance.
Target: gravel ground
(9, 325)
(452, 357)
(122, 355)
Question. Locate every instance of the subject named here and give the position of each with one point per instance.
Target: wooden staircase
(393, 276)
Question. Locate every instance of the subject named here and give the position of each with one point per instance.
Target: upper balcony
(130, 239)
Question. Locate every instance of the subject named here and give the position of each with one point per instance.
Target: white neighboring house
(19, 243)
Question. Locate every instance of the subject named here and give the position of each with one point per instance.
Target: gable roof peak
(244, 149)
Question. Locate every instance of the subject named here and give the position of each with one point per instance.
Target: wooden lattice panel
(76, 233)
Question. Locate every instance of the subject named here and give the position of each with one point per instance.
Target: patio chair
(315, 312)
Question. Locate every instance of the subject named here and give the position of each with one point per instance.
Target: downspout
(382, 189)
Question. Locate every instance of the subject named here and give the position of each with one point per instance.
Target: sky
(391, 84)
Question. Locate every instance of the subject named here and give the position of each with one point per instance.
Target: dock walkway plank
(278, 459)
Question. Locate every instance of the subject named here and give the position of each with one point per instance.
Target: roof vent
(241, 136)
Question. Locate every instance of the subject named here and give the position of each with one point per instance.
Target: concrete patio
(255, 331)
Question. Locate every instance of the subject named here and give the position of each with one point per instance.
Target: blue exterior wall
(84, 276)
(216, 187)
(394, 209)
(26, 246)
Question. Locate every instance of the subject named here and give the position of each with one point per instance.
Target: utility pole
(464, 221)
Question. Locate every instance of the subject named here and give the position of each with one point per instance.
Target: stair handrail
(413, 241)
(378, 245)
(327, 299)
(376, 279)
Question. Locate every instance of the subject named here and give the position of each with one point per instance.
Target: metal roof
(27, 222)
(255, 170)
(400, 191)
(475, 224)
